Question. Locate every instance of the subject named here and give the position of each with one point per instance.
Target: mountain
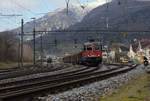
(123, 14)
(58, 19)
(118, 14)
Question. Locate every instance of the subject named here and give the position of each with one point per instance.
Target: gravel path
(100, 88)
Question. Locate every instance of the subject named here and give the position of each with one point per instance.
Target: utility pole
(107, 18)
(75, 43)
(33, 42)
(34, 45)
(67, 4)
(22, 33)
(19, 52)
(42, 49)
(107, 22)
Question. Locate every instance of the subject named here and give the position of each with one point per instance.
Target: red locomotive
(91, 55)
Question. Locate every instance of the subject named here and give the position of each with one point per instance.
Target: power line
(44, 4)
(92, 31)
(23, 7)
(138, 6)
(10, 15)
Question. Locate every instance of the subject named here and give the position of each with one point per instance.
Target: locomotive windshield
(89, 47)
(97, 47)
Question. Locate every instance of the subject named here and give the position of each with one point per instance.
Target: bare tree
(8, 42)
(9, 50)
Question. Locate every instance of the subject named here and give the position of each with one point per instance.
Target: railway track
(61, 80)
(18, 72)
(7, 70)
(10, 69)
(42, 76)
(49, 77)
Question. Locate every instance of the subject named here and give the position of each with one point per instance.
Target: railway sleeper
(79, 83)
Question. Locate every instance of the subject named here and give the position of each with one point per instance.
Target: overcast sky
(33, 8)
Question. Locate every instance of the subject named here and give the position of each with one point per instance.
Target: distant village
(132, 52)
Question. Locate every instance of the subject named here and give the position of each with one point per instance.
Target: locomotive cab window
(97, 47)
(89, 47)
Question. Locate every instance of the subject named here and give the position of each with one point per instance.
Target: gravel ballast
(101, 88)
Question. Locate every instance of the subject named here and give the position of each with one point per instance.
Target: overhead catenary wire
(13, 14)
(10, 15)
(138, 6)
(7, 22)
(27, 9)
(44, 5)
(87, 30)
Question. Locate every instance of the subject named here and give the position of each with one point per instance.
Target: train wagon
(73, 58)
(91, 55)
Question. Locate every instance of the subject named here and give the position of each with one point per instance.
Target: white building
(142, 48)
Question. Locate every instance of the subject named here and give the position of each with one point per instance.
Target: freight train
(90, 55)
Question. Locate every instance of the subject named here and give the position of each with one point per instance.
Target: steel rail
(45, 77)
(41, 86)
(19, 72)
(49, 78)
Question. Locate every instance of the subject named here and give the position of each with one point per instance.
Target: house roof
(144, 44)
(123, 47)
